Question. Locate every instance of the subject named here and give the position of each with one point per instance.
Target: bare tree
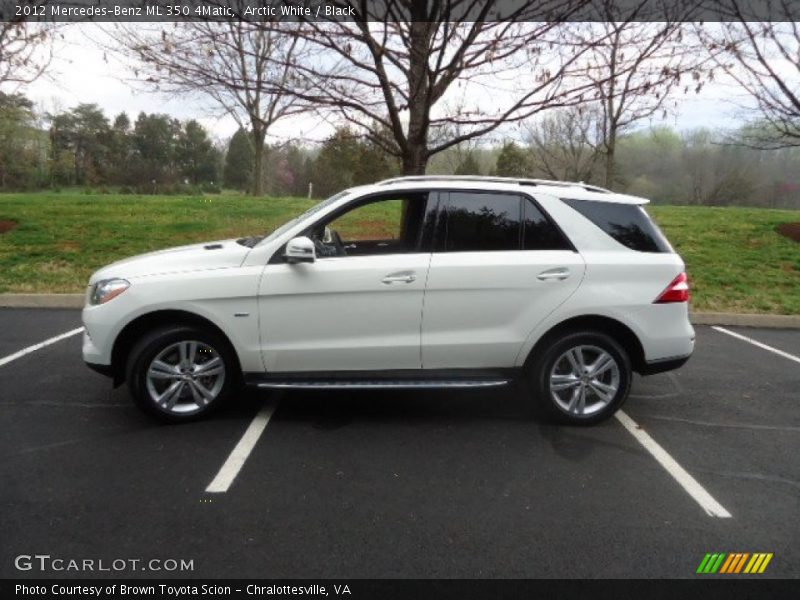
(636, 67)
(566, 145)
(244, 68)
(25, 52)
(763, 58)
(419, 77)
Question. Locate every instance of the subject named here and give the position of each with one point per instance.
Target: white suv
(415, 282)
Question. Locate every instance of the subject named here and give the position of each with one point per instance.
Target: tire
(183, 355)
(560, 364)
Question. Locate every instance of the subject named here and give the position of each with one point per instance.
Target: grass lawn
(735, 259)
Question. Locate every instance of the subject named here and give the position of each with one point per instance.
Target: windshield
(253, 241)
(317, 207)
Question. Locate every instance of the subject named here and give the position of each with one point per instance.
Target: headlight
(108, 289)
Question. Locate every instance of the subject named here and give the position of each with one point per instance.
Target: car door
(498, 268)
(358, 306)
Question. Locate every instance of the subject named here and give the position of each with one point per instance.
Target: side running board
(383, 385)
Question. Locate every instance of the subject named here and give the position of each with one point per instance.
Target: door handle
(399, 278)
(559, 274)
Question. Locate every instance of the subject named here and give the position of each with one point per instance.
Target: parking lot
(411, 484)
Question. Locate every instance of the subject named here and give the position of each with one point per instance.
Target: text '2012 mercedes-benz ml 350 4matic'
(414, 282)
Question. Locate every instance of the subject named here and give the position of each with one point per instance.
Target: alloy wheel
(185, 377)
(584, 380)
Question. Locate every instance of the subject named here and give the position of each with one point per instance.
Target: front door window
(385, 225)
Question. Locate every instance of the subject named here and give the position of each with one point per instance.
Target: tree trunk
(611, 156)
(612, 117)
(415, 150)
(257, 138)
(415, 160)
(610, 163)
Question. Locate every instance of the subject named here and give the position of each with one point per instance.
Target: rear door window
(481, 221)
(628, 224)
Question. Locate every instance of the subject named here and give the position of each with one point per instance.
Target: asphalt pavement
(400, 484)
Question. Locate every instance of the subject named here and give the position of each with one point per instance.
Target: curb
(697, 318)
(42, 300)
(746, 320)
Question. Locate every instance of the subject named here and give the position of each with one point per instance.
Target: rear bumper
(663, 365)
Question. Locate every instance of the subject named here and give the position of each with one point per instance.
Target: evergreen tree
(83, 132)
(238, 172)
(120, 150)
(512, 161)
(155, 139)
(346, 160)
(196, 155)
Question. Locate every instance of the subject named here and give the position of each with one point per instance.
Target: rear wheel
(581, 378)
(181, 373)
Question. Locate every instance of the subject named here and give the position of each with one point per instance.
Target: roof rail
(489, 179)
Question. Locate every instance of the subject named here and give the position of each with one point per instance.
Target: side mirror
(300, 249)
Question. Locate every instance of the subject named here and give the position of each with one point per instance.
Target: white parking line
(39, 346)
(757, 343)
(686, 481)
(230, 469)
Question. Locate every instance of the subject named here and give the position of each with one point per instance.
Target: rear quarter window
(629, 224)
(538, 232)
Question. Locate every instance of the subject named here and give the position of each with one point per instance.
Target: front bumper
(106, 370)
(91, 353)
(95, 359)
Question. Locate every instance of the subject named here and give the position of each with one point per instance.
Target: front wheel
(181, 373)
(582, 378)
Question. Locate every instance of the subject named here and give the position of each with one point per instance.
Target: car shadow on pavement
(337, 409)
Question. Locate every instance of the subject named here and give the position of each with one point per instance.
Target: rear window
(629, 224)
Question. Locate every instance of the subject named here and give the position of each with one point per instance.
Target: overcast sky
(81, 74)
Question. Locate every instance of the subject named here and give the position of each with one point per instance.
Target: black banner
(734, 588)
(397, 10)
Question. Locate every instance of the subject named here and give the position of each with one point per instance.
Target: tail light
(677, 291)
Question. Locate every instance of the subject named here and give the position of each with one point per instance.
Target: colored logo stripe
(758, 563)
(711, 563)
(727, 564)
(734, 562)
